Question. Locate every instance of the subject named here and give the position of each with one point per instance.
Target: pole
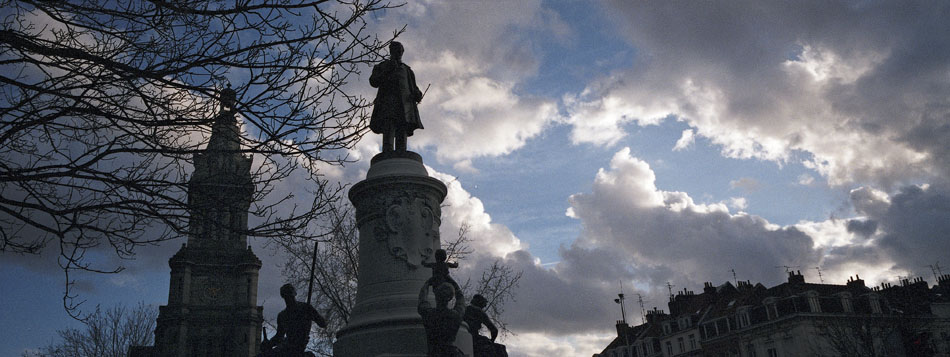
(313, 265)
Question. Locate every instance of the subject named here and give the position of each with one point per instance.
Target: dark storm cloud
(916, 228)
(865, 228)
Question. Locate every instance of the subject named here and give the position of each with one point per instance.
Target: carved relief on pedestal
(408, 224)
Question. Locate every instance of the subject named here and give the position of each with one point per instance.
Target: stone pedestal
(398, 214)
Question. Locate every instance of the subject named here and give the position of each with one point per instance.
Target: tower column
(398, 215)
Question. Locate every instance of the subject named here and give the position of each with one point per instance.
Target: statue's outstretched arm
(459, 301)
(423, 293)
(491, 327)
(279, 336)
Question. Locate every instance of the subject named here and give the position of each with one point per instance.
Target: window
(249, 292)
(875, 304)
(669, 348)
(773, 352)
(750, 350)
(846, 302)
(813, 304)
(682, 346)
(692, 341)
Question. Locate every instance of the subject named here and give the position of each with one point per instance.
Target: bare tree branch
(107, 333)
(103, 106)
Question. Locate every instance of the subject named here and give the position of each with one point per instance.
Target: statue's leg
(388, 140)
(400, 137)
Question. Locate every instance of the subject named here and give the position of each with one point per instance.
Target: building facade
(796, 318)
(212, 298)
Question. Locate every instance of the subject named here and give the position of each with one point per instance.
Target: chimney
(652, 315)
(856, 282)
(621, 328)
(796, 277)
(708, 288)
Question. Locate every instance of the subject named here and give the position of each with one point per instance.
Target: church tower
(212, 298)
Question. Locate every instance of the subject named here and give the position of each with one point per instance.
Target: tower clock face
(213, 293)
(213, 290)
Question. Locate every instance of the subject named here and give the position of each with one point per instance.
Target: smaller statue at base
(442, 323)
(293, 327)
(440, 270)
(475, 317)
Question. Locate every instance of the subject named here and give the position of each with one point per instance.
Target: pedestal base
(398, 214)
(392, 338)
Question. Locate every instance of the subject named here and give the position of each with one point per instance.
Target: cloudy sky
(593, 143)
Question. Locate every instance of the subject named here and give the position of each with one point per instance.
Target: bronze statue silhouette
(395, 114)
(293, 327)
(440, 270)
(475, 317)
(441, 323)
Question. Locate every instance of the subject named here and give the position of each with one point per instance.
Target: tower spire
(221, 188)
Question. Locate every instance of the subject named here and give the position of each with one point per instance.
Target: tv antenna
(734, 278)
(935, 268)
(788, 269)
(822, 280)
(643, 311)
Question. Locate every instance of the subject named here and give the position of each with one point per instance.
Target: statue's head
(396, 50)
(440, 255)
(480, 301)
(444, 293)
(287, 291)
(228, 98)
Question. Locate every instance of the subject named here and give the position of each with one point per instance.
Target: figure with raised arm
(442, 323)
(440, 270)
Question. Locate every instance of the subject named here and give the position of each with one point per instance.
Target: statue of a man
(442, 323)
(293, 327)
(395, 114)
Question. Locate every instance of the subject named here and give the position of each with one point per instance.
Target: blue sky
(588, 143)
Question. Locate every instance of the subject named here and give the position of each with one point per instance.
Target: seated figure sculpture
(475, 317)
(441, 323)
(293, 327)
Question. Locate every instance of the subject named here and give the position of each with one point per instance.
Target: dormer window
(813, 304)
(770, 310)
(744, 320)
(875, 303)
(846, 305)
